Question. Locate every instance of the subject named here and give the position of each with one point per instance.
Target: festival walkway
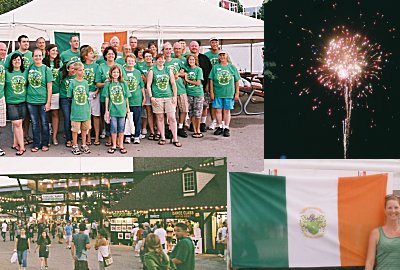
(60, 258)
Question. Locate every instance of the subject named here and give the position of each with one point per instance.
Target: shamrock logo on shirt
(224, 77)
(2, 74)
(75, 59)
(132, 83)
(162, 81)
(116, 95)
(54, 71)
(80, 95)
(35, 78)
(18, 84)
(26, 62)
(192, 77)
(89, 75)
(214, 61)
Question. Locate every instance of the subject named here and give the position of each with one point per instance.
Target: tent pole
(251, 56)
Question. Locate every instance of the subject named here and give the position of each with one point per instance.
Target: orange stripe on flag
(360, 208)
(121, 35)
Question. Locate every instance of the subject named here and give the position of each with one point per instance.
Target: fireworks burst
(348, 63)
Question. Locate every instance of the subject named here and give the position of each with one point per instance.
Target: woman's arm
(373, 241)
(49, 93)
(149, 81)
(173, 83)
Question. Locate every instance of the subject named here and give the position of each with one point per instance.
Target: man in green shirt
(114, 41)
(72, 54)
(126, 48)
(100, 60)
(41, 44)
(183, 253)
(133, 42)
(23, 50)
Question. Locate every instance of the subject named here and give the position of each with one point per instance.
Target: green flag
(62, 40)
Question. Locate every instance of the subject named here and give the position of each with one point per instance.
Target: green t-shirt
(184, 251)
(102, 75)
(117, 93)
(54, 71)
(69, 55)
(64, 84)
(121, 61)
(2, 78)
(135, 85)
(224, 78)
(140, 65)
(213, 57)
(38, 77)
(160, 86)
(26, 57)
(195, 74)
(90, 74)
(80, 107)
(101, 60)
(175, 65)
(15, 87)
(144, 69)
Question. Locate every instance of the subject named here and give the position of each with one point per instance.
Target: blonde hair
(77, 65)
(131, 55)
(153, 244)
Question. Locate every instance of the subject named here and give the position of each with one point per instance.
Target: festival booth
(189, 190)
(308, 214)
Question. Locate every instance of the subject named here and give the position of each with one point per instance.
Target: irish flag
(302, 221)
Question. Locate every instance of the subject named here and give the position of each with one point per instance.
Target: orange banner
(123, 37)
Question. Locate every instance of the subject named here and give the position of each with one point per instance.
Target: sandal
(68, 144)
(20, 153)
(177, 144)
(111, 150)
(89, 143)
(161, 142)
(15, 147)
(123, 150)
(28, 140)
(151, 137)
(35, 149)
(108, 143)
(45, 148)
(157, 137)
(96, 143)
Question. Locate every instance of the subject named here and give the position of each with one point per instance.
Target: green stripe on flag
(62, 40)
(259, 221)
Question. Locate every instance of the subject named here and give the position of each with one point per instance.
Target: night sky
(303, 119)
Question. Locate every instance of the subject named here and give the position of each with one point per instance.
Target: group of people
(152, 90)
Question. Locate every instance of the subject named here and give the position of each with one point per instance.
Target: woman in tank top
(384, 242)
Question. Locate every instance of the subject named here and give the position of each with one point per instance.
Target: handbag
(108, 260)
(129, 124)
(14, 257)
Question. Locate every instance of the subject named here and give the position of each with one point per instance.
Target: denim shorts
(223, 103)
(16, 111)
(117, 124)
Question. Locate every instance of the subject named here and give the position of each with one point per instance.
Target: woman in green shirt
(162, 91)
(53, 61)
(155, 257)
(15, 93)
(38, 99)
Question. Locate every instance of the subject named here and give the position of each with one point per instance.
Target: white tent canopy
(148, 20)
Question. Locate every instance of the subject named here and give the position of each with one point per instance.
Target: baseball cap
(222, 52)
(214, 38)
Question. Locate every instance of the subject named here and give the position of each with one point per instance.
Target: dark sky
(292, 128)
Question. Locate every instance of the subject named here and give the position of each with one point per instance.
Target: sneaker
(142, 136)
(136, 141)
(2, 153)
(85, 149)
(220, 255)
(203, 127)
(182, 133)
(212, 126)
(127, 140)
(144, 131)
(226, 132)
(75, 150)
(218, 131)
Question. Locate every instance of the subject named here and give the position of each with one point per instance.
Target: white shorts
(138, 245)
(55, 102)
(94, 104)
(68, 238)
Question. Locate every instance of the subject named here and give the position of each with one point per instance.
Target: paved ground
(244, 149)
(60, 259)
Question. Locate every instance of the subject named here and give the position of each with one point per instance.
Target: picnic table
(255, 88)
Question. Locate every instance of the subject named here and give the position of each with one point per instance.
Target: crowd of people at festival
(123, 97)
(153, 243)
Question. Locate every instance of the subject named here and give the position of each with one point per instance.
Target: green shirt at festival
(144, 69)
(213, 57)
(26, 58)
(195, 74)
(135, 85)
(117, 92)
(121, 61)
(69, 55)
(160, 86)
(101, 60)
(54, 71)
(80, 107)
(184, 251)
(140, 65)
(15, 86)
(90, 74)
(38, 77)
(175, 65)
(2, 78)
(224, 78)
(102, 75)
(64, 84)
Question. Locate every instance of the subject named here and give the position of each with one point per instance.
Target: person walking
(43, 244)
(183, 253)
(155, 258)
(22, 247)
(79, 248)
(4, 227)
(102, 247)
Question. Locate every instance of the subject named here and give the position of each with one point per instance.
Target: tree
(7, 5)
(261, 12)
